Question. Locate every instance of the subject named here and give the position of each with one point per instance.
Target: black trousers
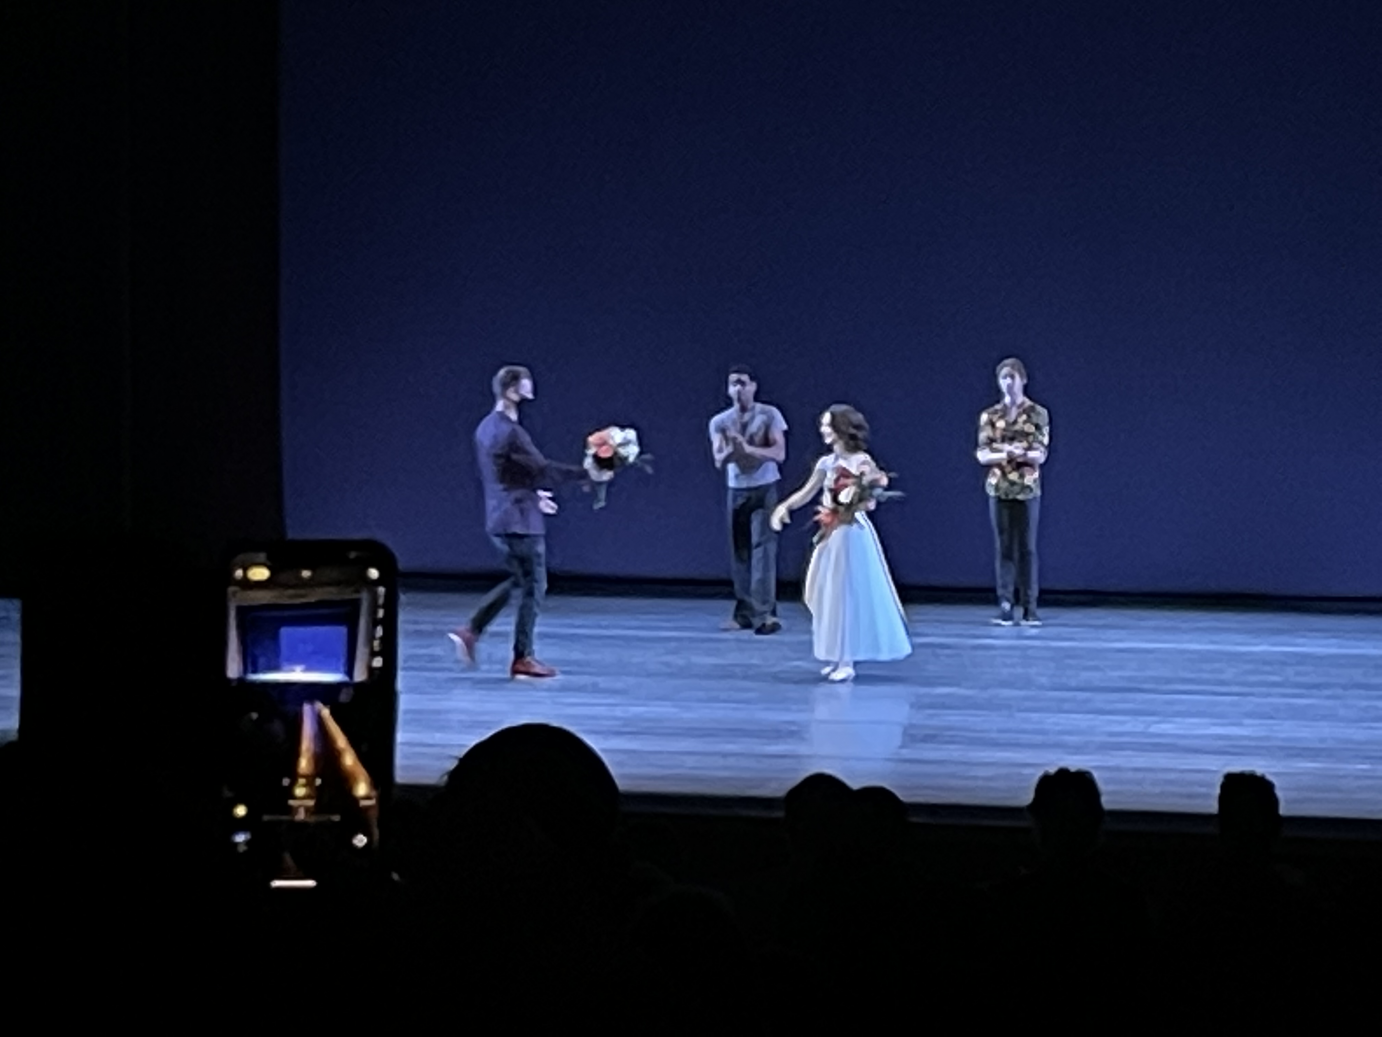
(526, 555)
(1015, 551)
(753, 553)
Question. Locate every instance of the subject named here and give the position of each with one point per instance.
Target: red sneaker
(530, 667)
(464, 639)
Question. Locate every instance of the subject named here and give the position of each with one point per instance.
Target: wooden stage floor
(1158, 703)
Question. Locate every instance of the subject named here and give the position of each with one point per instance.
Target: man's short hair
(744, 370)
(1015, 366)
(509, 375)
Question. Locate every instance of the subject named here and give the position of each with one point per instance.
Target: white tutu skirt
(856, 614)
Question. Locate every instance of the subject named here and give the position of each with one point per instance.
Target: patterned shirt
(1029, 428)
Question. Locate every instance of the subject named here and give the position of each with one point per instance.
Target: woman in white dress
(856, 614)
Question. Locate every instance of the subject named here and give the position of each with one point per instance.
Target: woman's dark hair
(850, 426)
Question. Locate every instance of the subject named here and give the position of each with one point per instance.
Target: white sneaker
(844, 673)
(826, 671)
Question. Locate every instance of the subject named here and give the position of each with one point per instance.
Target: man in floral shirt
(1014, 437)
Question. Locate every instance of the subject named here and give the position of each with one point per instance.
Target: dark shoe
(768, 626)
(1005, 615)
(530, 667)
(736, 624)
(464, 639)
(1030, 618)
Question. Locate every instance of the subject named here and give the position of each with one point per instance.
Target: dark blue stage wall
(1170, 211)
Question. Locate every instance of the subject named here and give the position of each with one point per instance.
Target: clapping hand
(738, 447)
(545, 503)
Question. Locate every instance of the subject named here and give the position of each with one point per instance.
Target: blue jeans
(753, 554)
(526, 555)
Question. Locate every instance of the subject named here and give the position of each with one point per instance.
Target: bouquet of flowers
(851, 493)
(611, 449)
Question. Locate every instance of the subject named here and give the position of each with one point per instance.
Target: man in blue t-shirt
(748, 442)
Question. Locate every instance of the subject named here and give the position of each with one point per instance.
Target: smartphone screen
(311, 674)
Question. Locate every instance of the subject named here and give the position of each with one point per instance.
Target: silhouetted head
(882, 818)
(818, 810)
(1067, 812)
(544, 774)
(1249, 812)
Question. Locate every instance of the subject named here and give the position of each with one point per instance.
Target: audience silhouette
(1243, 915)
(523, 891)
(1069, 904)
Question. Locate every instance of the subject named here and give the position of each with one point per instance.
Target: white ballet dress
(856, 614)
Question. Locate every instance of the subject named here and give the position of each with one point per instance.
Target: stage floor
(9, 668)
(1157, 703)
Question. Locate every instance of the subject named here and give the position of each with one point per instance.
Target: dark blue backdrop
(1170, 211)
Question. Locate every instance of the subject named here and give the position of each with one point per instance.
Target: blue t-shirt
(756, 426)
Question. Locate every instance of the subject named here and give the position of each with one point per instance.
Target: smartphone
(311, 708)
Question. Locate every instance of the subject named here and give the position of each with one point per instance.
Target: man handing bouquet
(511, 472)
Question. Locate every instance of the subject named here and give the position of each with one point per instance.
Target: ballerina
(856, 614)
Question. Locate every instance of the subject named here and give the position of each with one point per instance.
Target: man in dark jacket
(511, 472)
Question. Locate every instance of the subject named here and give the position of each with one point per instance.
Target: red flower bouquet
(611, 449)
(851, 493)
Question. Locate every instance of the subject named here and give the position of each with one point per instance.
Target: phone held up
(311, 673)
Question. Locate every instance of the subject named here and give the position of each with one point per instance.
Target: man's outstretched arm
(520, 452)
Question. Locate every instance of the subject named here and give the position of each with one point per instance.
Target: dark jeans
(753, 553)
(526, 555)
(1014, 538)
